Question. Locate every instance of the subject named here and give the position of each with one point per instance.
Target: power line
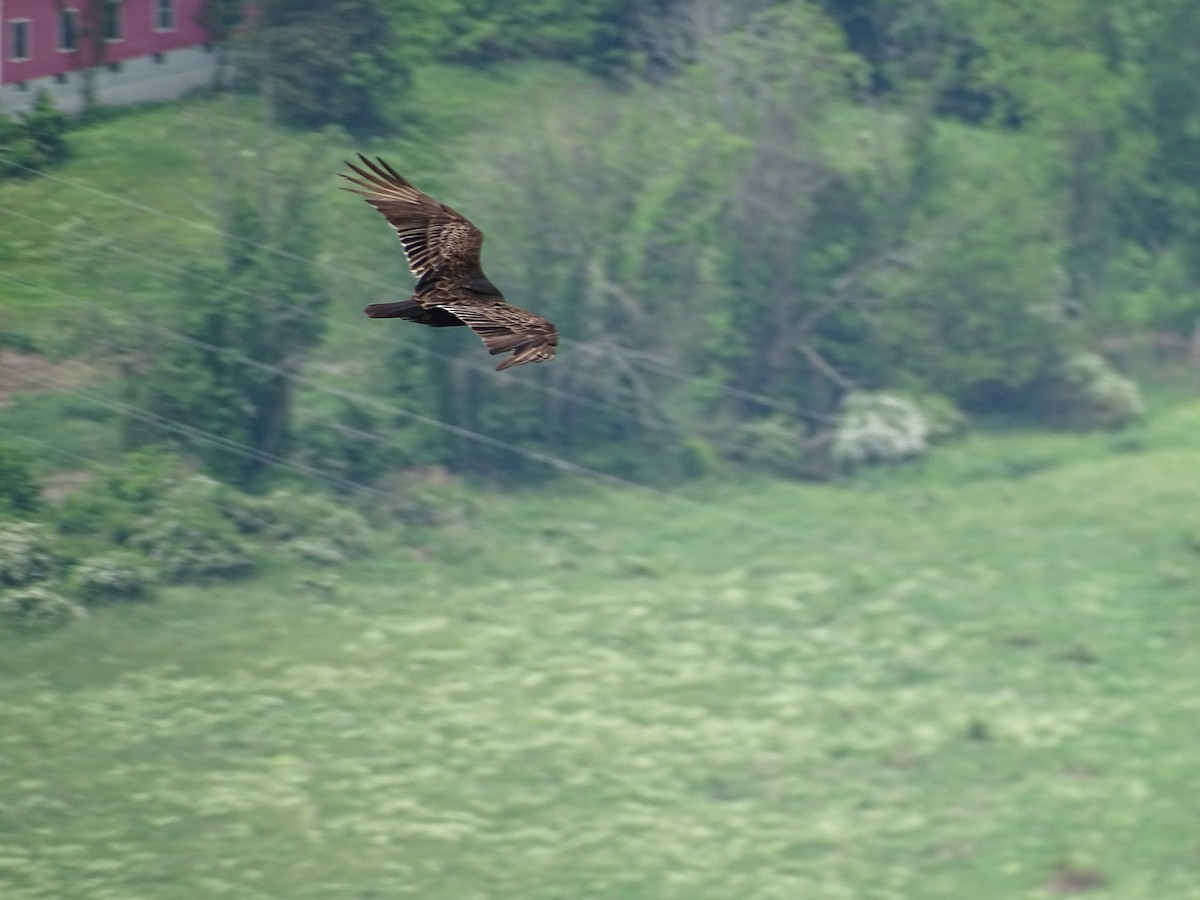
(669, 371)
(315, 474)
(93, 462)
(456, 430)
(376, 337)
(199, 434)
(555, 462)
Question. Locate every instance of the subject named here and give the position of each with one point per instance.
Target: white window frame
(164, 10)
(114, 8)
(62, 17)
(12, 41)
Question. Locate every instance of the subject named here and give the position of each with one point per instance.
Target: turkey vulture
(442, 249)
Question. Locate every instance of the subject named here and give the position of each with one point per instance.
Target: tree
(747, 221)
(221, 19)
(35, 141)
(46, 128)
(19, 491)
(330, 62)
(223, 385)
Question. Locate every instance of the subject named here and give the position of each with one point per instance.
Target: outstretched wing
(436, 239)
(442, 248)
(504, 328)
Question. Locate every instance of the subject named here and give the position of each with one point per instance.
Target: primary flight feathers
(442, 249)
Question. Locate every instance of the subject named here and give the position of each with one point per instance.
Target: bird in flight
(442, 248)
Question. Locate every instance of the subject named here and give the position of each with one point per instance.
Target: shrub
(945, 419)
(429, 497)
(110, 507)
(25, 553)
(19, 491)
(1084, 391)
(348, 444)
(879, 427)
(46, 128)
(350, 532)
(775, 443)
(286, 516)
(36, 141)
(698, 458)
(90, 511)
(36, 606)
(112, 578)
(251, 514)
(192, 550)
(189, 538)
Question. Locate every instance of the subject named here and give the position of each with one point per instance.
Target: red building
(138, 50)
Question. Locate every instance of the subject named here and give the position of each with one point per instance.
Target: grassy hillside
(145, 186)
(971, 679)
(97, 246)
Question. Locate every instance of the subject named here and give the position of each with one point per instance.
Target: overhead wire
(199, 434)
(552, 461)
(549, 459)
(669, 371)
(282, 371)
(92, 462)
(317, 474)
(375, 336)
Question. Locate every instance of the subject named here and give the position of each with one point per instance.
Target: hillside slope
(975, 678)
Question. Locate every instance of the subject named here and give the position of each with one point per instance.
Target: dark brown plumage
(442, 249)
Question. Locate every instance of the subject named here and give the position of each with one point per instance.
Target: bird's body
(442, 248)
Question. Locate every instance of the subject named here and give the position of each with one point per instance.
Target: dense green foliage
(1108, 87)
(747, 224)
(34, 141)
(18, 488)
(151, 521)
(225, 374)
(330, 63)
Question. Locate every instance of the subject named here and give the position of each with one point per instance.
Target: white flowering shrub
(189, 538)
(25, 553)
(112, 578)
(194, 548)
(1084, 391)
(256, 515)
(35, 606)
(879, 427)
(306, 520)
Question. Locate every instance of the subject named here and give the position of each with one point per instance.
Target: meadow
(969, 677)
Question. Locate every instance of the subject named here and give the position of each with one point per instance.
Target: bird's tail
(401, 309)
(413, 312)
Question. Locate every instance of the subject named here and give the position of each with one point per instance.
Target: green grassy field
(975, 678)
